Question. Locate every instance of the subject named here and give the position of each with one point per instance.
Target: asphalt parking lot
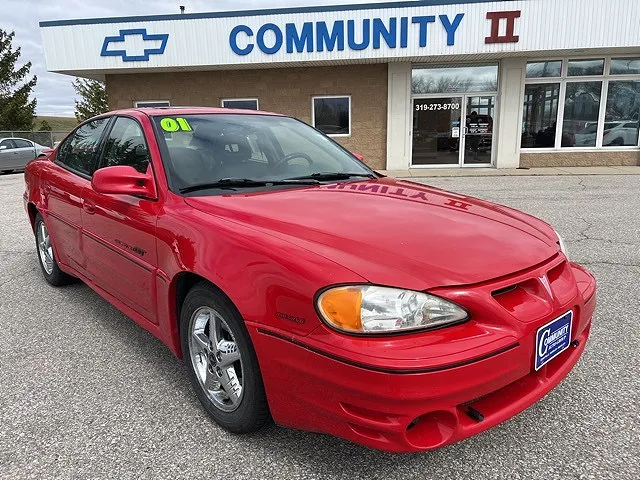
(86, 393)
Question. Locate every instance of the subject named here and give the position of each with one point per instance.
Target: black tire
(252, 411)
(55, 277)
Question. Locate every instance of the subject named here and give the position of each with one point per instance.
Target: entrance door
(436, 131)
(453, 130)
(478, 131)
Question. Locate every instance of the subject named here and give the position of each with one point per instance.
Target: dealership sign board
(347, 33)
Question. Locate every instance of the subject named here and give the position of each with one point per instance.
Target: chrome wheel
(44, 248)
(216, 359)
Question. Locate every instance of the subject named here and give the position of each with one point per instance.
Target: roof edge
(266, 11)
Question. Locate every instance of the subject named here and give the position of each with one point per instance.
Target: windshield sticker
(175, 124)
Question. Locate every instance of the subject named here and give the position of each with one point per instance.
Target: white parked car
(15, 153)
(623, 132)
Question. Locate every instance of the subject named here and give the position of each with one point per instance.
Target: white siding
(544, 25)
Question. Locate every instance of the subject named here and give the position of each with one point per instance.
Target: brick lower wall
(579, 159)
(282, 90)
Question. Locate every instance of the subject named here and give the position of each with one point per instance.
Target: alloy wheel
(44, 248)
(216, 359)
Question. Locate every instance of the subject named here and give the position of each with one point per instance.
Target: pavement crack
(613, 264)
(606, 240)
(583, 232)
(581, 184)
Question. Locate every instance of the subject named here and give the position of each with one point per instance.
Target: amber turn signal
(341, 307)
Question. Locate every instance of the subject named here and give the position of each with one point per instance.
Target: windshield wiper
(234, 183)
(327, 176)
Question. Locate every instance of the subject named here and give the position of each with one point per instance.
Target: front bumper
(399, 409)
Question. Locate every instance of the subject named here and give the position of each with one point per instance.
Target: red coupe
(300, 285)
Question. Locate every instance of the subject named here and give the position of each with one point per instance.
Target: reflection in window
(581, 109)
(625, 66)
(77, 152)
(622, 114)
(579, 68)
(126, 145)
(544, 69)
(241, 103)
(332, 115)
(455, 79)
(540, 114)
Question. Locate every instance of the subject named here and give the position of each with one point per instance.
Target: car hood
(395, 232)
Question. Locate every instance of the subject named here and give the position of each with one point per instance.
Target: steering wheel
(291, 156)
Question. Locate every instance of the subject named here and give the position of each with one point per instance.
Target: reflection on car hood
(395, 232)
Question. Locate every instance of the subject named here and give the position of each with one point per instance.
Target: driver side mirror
(125, 180)
(359, 156)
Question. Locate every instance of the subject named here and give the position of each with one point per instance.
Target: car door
(26, 151)
(62, 184)
(7, 155)
(119, 231)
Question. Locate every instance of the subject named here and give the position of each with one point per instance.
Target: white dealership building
(410, 84)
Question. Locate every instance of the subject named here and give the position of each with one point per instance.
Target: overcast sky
(54, 91)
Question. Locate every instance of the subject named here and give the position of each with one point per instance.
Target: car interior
(215, 150)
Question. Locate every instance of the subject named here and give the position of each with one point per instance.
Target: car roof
(153, 111)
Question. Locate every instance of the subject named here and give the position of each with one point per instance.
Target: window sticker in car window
(175, 124)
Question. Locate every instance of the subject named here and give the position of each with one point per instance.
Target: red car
(300, 285)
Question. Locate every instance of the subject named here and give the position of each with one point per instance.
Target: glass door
(436, 131)
(442, 136)
(478, 130)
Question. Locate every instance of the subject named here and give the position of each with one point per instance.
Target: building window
(582, 68)
(625, 66)
(544, 69)
(622, 114)
(454, 79)
(581, 111)
(540, 115)
(332, 115)
(240, 103)
(595, 102)
(152, 104)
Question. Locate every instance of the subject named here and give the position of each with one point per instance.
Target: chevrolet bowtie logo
(145, 44)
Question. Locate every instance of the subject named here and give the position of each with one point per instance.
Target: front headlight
(373, 309)
(563, 246)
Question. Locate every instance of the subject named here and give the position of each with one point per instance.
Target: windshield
(204, 149)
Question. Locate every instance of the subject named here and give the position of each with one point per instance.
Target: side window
(7, 144)
(126, 145)
(22, 143)
(77, 152)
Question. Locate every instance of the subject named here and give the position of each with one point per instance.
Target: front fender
(271, 282)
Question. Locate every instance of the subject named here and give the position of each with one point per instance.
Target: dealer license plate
(552, 339)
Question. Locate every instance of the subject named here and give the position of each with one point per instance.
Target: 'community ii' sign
(397, 32)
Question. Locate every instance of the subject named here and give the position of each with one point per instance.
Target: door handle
(89, 208)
